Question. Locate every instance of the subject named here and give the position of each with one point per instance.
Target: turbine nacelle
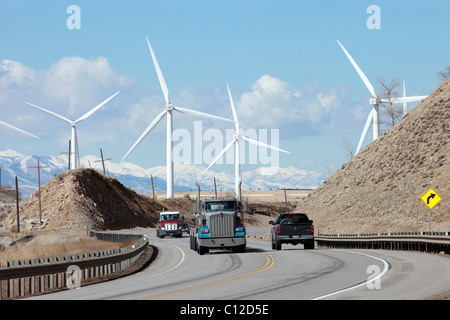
(375, 101)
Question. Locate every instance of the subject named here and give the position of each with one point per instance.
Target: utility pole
(102, 161)
(39, 188)
(153, 186)
(215, 187)
(17, 205)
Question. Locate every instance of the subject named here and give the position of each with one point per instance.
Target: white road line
(174, 267)
(382, 273)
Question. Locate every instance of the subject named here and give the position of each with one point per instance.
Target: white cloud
(71, 86)
(273, 103)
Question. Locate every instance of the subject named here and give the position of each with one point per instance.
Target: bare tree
(442, 75)
(390, 113)
(329, 167)
(349, 148)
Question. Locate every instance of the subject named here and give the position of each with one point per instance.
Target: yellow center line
(270, 261)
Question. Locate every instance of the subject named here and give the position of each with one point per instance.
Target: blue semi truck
(218, 224)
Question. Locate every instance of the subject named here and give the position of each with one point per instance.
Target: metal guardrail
(24, 278)
(433, 242)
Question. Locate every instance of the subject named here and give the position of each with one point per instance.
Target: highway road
(260, 273)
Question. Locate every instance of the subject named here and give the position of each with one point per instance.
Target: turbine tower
(168, 113)
(374, 116)
(75, 161)
(237, 136)
(17, 129)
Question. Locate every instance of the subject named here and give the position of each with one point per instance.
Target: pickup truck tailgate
(295, 229)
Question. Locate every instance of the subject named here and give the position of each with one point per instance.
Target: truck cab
(218, 224)
(169, 224)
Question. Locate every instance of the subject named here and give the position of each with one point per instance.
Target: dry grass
(38, 248)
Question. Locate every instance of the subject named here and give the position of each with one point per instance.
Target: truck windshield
(167, 217)
(217, 206)
(293, 217)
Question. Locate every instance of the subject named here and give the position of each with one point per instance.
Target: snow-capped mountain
(14, 164)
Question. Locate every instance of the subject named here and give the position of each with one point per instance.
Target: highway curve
(179, 273)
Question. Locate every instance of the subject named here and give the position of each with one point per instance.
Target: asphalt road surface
(178, 273)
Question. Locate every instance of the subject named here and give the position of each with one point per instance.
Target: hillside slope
(85, 198)
(380, 189)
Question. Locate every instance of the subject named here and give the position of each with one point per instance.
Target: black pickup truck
(292, 228)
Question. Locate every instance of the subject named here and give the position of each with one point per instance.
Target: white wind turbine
(374, 117)
(168, 113)
(17, 129)
(237, 136)
(75, 161)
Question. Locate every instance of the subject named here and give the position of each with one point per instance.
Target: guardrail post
(31, 282)
(21, 281)
(10, 285)
(50, 276)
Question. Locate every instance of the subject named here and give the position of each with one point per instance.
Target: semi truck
(218, 223)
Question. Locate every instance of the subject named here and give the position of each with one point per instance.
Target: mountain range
(14, 164)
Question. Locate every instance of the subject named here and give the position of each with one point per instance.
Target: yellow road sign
(431, 198)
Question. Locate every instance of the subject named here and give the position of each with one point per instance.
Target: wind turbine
(17, 129)
(75, 161)
(237, 136)
(168, 113)
(374, 116)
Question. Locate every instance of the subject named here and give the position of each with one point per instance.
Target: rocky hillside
(380, 189)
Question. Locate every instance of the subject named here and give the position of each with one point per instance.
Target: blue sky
(280, 59)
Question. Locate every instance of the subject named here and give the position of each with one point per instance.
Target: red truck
(169, 224)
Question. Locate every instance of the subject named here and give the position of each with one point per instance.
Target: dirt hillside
(380, 189)
(85, 198)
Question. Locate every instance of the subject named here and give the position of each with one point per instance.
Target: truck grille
(222, 226)
(170, 226)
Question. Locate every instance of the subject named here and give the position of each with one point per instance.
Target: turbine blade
(405, 99)
(89, 113)
(149, 128)
(364, 133)
(229, 145)
(233, 109)
(50, 112)
(405, 104)
(263, 144)
(162, 82)
(200, 114)
(17, 129)
(359, 71)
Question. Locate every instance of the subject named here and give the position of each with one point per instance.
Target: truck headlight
(239, 229)
(205, 230)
